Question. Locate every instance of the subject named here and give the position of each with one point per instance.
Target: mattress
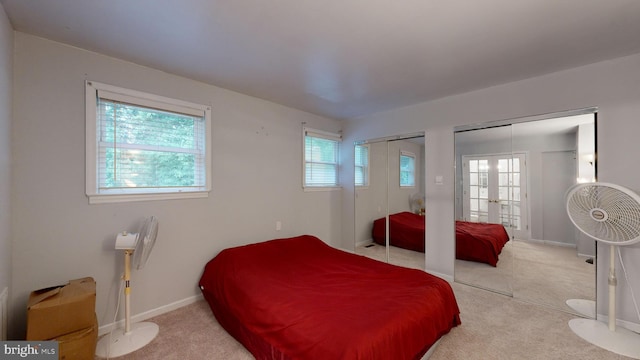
(299, 298)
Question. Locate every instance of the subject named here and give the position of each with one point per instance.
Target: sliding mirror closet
(513, 235)
(389, 199)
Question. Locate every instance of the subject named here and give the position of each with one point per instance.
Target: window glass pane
(149, 148)
(359, 176)
(361, 165)
(321, 174)
(321, 162)
(320, 150)
(362, 155)
(130, 124)
(140, 168)
(407, 170)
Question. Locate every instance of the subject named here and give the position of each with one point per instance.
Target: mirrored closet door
(389, 199)
(484, 182)
(515, 174)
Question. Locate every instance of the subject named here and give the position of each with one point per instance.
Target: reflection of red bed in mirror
(480, 242)
(406, 230)
(299, 298)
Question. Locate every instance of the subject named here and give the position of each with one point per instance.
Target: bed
(406, 230)
(299, 298)
(479, 242)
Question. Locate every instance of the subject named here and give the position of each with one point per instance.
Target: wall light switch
(278, 225)
(439, 180)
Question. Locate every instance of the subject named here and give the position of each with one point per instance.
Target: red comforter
(299, 298)
(406, 230)
(480, 242)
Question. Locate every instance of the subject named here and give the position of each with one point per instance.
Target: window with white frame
(321, 154)
(407, 169)
(362, 165)
(145, 147)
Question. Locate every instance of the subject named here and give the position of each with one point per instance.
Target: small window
(362, 165)
(407, 169)
(145, 147)
(320, 159)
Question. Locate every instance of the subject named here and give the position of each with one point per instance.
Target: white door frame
(494, 201)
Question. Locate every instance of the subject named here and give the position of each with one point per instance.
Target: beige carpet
(397, 256)
(535, 272)
(493, 327)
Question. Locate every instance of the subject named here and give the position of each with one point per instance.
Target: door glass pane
(503, 165)
(473, 178)
(516, 193)
(473, 192)
(503, 179)
(483, 165)
(473, 166)
(484, 205)
(503, 193)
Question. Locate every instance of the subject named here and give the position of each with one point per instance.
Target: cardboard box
(61, 310)
(79, 345)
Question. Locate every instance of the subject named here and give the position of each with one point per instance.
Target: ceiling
(348, 58)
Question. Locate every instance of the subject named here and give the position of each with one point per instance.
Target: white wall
(6, 79)
(613, 86)
(257, 162)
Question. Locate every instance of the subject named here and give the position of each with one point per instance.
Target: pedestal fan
(416, 203)
(133, 336)
(609, 214)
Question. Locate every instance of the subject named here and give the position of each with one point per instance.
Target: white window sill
(117, 198)
(321, 188)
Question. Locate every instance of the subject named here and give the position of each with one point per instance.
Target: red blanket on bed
(406, 230)
(480, 242)
(299, 298)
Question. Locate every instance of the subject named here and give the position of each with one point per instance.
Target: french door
(495, 191)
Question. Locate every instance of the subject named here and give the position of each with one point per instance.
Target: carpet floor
(493, 326)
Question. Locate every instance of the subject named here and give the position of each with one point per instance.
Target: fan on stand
(133, 336)
(610, 214)
(416, 202)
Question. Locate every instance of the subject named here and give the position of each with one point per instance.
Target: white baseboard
(364, 242)
(554, 243)
(105, 329)
(448, 278)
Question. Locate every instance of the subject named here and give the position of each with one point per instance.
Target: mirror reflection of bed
(545, 261)
(389, 178)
